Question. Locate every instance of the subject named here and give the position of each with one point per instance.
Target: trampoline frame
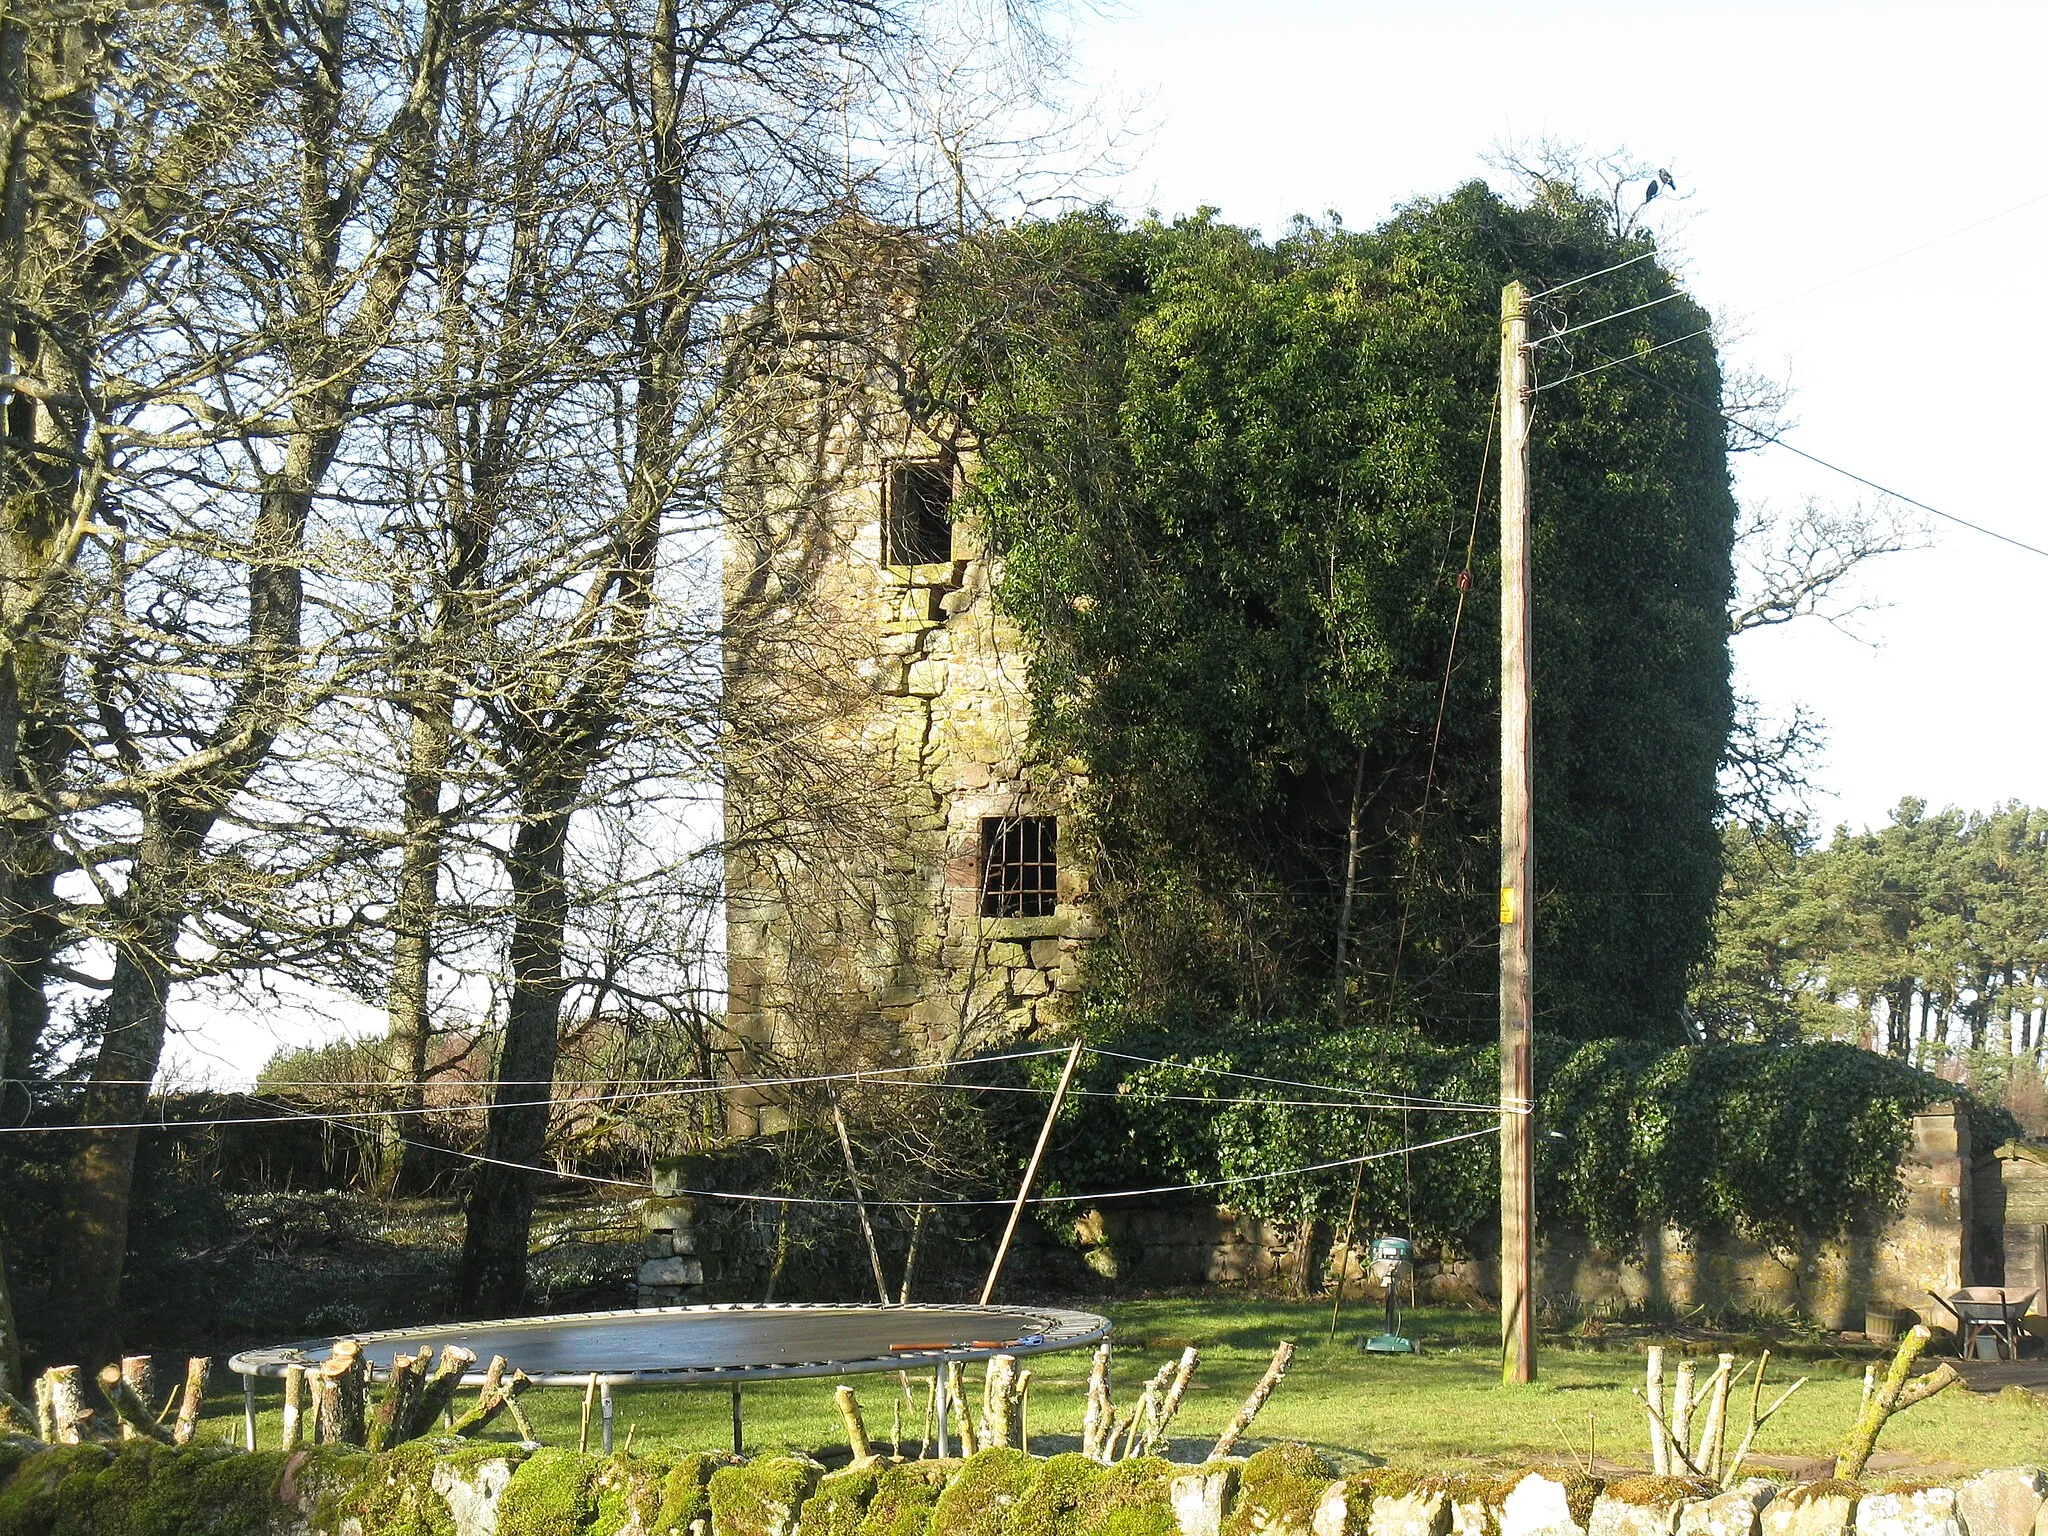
(1068, 1330)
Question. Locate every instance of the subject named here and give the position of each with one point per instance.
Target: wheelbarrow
(1995, 1310)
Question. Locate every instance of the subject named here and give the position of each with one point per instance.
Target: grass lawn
(1440, 1409)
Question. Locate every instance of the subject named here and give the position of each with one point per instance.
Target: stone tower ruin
(905, 881)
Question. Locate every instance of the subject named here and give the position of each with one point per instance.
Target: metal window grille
(917, 512)
(1020, 875)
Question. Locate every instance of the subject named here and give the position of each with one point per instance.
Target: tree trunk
(11, 1380)
(412, 945)
(91, 1241)
(492, 1276)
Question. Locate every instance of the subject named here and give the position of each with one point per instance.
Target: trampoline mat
(726, 1342)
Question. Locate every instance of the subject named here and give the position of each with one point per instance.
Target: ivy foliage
(1785, 1144)
(1236, 484)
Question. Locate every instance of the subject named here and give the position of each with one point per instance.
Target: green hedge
(1775, 1142)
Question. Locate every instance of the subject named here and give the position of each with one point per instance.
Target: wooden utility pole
(1517, 852)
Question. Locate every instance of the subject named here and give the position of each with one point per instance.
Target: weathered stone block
(1631, 1517)
(1733, 1513)
(1539, 1506)
(1202, 1497)
(670, 1272)
(1045, 953)
(926, 678)
(1029, 983)
(1343, 1509)
(1006, 953)
(1796, 1513)
(655, 1245)
(2004, 1503)
(1423, 1511)
(668, 1213)
(1921, 1512)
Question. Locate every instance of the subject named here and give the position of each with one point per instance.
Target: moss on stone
(1580, 1489)
(905, 1497)
(1132, 1498)
(685, 1494)
(1358, 1497)
(1825, 1488)
(392, 1494)
(140, 1489)
(1652, 1492)
(549, 1495)
(981, 1495)
(1279, 1490)
(1392, 1482)
(763, 1498)
(1051, 1505)
(840, 1503)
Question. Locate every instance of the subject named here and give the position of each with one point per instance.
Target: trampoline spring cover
(736, 1341)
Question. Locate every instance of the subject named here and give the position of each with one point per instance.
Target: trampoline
(730, 1343)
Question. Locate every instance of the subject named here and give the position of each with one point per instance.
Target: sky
(1811, 141)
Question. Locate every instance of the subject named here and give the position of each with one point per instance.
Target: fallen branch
(17, 1418)
(497, 1396)
(1256, 1401)
(129, 1409)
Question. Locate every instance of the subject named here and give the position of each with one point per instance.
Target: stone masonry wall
(854, 930)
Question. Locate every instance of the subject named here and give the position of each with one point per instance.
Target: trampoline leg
(249, 1411)
(737, 1435)
(604, 1408)
(939, 1399)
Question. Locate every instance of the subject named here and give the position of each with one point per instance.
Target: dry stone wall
(143, 1489)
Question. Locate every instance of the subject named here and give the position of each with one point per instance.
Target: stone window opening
(1019, 866)
(917, 511)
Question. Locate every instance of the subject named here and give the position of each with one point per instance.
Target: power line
(1587, 277)
(1616, 362)
(756, 1198)
(1813, 458)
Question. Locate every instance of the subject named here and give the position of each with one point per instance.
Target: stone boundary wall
(143, 1489)
(702, 1250)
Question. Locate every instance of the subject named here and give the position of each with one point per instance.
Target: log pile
(327, 1404)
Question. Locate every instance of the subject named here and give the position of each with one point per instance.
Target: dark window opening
(1020, 872)
(917, 512)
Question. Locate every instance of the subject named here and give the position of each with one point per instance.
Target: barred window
(917, 512)
(1020, 875)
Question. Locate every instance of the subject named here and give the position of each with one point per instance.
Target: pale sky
(1815, 140)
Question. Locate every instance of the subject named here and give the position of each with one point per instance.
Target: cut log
(294, 1408)
(129, 1410)
(341, 1396)
(46, 1415)
(1024, 1410)
(956, 1401)
(1255, 1402)
(856, 1431)
(438, 1391)
(139, 1371)
(194, 1400)
(1681, 1414)
(70, 1419)
(999, 1402)
(401, 1387)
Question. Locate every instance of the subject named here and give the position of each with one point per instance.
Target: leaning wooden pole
(1517, 855)
(860, 1203)
(1052, 1113)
